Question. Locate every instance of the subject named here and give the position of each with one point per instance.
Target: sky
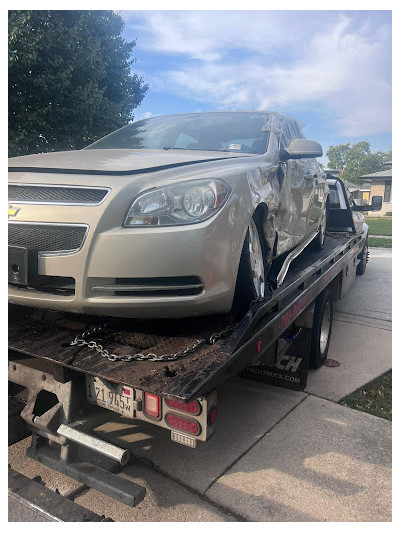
(329, 69)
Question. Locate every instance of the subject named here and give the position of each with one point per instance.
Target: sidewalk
(323, 462)
(278, 455)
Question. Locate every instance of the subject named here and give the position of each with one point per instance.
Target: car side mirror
(301, 149)
(376, 205)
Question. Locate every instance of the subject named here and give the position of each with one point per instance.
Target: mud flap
(290, 368)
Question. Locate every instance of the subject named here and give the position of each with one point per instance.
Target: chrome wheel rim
(325, 328)
(256, 260)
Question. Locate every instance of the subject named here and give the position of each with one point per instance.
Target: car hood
(113, 162)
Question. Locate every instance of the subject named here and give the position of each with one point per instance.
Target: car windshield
(221, 132)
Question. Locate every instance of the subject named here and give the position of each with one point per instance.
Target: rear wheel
(363, 257)
(321, 329)
(251, 278)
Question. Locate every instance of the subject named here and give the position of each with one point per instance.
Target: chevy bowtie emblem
(12, 211)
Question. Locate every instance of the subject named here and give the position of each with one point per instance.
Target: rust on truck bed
(48, 334)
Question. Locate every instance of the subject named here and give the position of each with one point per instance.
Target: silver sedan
(172, 216)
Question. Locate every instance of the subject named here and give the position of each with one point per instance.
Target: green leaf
(70, 79)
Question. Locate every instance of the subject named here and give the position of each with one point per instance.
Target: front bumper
(206, 255)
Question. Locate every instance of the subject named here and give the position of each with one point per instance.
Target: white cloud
(202, 34)
(145, 114)
(277, 60)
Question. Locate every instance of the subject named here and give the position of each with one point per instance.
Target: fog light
(183, 424)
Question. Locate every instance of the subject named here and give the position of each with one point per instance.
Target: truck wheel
(363, 257)
(252, 273)
(321, 329)
(319, 240)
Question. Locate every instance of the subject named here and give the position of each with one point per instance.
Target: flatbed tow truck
(69, 373)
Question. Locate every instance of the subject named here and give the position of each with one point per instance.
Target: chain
(93, 345)
(216, 336)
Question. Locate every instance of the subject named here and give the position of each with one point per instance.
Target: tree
(356, 160)
(70, 80)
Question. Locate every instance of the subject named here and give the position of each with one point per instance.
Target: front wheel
(321, 329)
(319, 240)
(251, 278)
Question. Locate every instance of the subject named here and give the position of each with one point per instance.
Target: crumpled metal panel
(289, 197)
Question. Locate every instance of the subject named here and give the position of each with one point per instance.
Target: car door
(314, 189)
(318, 192)
(358, 217)
(295, 194)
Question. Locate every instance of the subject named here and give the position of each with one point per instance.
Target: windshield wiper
(173, 148)
(194, 149)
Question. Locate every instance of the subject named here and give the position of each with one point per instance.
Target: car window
(286, 136)
(239, 132)
(350, 197)
(290, 131)
(184, 141)
(334, 197)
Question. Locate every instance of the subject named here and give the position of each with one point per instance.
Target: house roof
(382, 174)
(356, 186)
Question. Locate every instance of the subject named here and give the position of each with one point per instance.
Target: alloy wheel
(256, 260)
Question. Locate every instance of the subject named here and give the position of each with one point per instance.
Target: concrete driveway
(278, 455)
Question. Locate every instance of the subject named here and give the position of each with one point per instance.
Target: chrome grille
(47, 238)
(45, 194)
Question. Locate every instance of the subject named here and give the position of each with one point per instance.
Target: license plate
(112, 396)
(22, 265)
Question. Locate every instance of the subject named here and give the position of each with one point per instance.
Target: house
(381, 185)
(359, 192)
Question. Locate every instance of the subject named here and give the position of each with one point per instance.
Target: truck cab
(344, 214)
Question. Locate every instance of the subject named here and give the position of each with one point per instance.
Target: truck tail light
(183, 424)
(191, 407)
(212, 415)
(152, 404)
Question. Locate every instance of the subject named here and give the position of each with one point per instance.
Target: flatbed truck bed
(47, 335)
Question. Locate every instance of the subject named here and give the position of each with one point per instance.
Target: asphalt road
(278, 455)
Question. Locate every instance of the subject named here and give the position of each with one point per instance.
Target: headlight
(185, 203)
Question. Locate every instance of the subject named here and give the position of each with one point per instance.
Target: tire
(319, 241)
(363, 257)
(321, 329)
(252, 273)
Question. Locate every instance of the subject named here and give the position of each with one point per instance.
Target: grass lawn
(379, 226)
(381, 242)
(374, 398)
